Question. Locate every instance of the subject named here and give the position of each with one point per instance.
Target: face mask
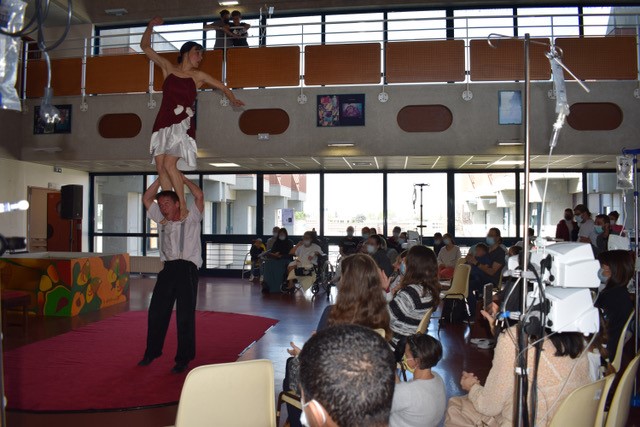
(396, 235)
(578, 219)
(599, 229)
(447, 241)
(402, 241)
(602, 277)
(303, 416)
(371, 249)
(350, 233)
(365, 236)
(403, 269)
(437, 242)
(490, 241)
(306, 242)
(282, 237)
(405, 365)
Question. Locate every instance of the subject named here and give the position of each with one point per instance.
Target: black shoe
(146, 361)
(179, 368)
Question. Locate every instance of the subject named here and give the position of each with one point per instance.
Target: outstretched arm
(197, 193)
(145, 45)
(149, 196)
(206, 78)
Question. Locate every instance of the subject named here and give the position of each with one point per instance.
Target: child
(257, 249)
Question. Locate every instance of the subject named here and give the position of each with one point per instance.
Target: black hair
(437, 234)
(170, 194)
(397, 228)
(224, 12)
(568, 343)
(582, 209)
(614, 214)
(285, 231)
(622, 266)
(350, 371)
(497, 233)
(604, 218)
(378, 239)
(426, 349)
(236, 13)
(276, 228)
(186, 48)
(482, 246)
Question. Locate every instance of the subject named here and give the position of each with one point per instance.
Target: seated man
(306, 253)
(349, 244)
(347, 378)
(393, 242)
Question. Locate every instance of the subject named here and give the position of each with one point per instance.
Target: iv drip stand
(421, 226)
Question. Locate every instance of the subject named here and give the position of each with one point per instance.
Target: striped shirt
(407, 309)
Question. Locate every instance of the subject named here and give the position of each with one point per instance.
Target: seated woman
(360, 301)
(306, 253)
(422, 401)
(561, 370)
(276, 262)
(448, 257)
(486, 269)
(617, 269)
(399, 268)
(418, 291)
(376, 247)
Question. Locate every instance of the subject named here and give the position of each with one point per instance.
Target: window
(564, 190)
(118, 204)
(403, 201)
(293, 31)
(292, 201)
(229, 204)
(117, 245)
(479, 23)
(118, 41)
(619, 20)
(417, 25)
(173, 36)
(483, 201)
(355, 27)
(548, 21)
(603, 197)
(352, 199)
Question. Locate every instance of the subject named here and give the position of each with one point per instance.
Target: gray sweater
(418, 403)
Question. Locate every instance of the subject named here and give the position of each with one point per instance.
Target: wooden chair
(619, 409)
(617, 360)
(580, 408)
(212, 394)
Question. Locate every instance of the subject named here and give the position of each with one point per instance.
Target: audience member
(485, 268)
(393, 242)
(403, 239)
(422, 401)
(617, 269)
(531, 238)
(346, 378)
(448, 257)
(418, 291)
(438, 244)
(375, 248)
(224, 35)
(587, 231)
(615, 227)
(399, 268)
(282, 247)
(348, 245)
(561, 370)
(601, 227)
(515, 251)
(239, 30)
(364, 236)
(257, 249)
(271, 240)
(567, 228)
(306, 253)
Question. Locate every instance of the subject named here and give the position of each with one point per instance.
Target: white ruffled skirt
(174, 141)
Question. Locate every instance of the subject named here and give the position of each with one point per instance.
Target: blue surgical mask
(602, 277)
(578, 218)
(437, 242)
(447, 241)
(490, 241)
(599, 229)
(403, 268)
(365, 236)
(402, 241)
(371, 249)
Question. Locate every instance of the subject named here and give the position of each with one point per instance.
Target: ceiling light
(116, 12)
(509, 142)
(277, 165)
(600, 162)
(228, 3)
(361, 163)
(479, 163)
(341, 144)
(225, 165)
(508, 163)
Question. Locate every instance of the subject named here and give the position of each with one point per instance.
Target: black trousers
(177, 282)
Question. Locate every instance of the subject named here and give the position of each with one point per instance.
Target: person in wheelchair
(303, 268)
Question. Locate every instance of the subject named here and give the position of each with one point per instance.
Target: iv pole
(421, 226)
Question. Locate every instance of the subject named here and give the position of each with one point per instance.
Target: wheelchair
(324, 276)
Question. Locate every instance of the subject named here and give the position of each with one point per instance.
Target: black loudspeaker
(71, 202)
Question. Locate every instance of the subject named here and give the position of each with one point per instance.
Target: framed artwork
(63, 126)
(340, 110)
(509, 107)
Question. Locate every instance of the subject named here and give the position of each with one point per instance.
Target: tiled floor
(297, 315)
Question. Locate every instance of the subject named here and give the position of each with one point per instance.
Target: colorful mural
(65, 285)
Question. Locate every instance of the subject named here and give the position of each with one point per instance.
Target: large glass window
(117, 245)
(485, 200)
(229, 204)
(619, 20)
(417, 25)
(479, 23)
(118, 41)
(292, 201)
(548, 21)
(354, 27)
(352, 199)
(118, 204)
(403, 201)
(292, 31)
(603, 197)
(173, 36)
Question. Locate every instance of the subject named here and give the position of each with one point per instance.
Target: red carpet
(95, 367)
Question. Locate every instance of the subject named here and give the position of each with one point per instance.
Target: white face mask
(371, 249)
(303, 415)
(307, 243)
(282, 237)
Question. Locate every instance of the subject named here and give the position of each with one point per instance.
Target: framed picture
(63, 126)
(340, 110)
(509, 107)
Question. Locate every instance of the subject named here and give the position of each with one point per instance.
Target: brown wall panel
(66, 77)
(117, 74)
(342, 64)
(595, 116)
(263, 67)
(425, 61)
(211, 64)
(273, 121)
(600, 58)
(506, 61)
(121, 125)
(425, 118)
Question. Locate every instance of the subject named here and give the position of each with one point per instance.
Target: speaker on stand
(71, 207)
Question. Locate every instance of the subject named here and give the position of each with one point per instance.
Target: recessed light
(277, 165)
(361, 163)
(225, 165)
(600, 162)
(341, 144)
(509, 142)
(116, 12)
(508, 163)
(228, 3)
(479, 163)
